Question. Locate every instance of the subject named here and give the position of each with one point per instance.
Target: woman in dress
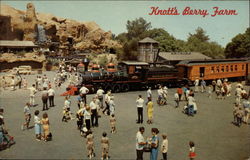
(150, 111)
(45, 124)
(37, 122)
(105, 146)
(154, 144)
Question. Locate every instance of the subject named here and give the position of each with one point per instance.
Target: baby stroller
(189, 110)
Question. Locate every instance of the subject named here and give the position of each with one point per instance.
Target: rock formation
(70, 34)
(30, 23)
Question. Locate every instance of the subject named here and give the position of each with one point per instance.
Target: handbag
(147, 148)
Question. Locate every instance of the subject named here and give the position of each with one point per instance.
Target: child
(112, 123)
(209, 91)
(66, 115)
(164, 147)
(176, 99)
(90, 144)
(192, 153)
(79, 116)
(27, 116)
(105, 146)
(38, 129)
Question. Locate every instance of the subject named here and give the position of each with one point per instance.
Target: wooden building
(173, 58)
(213, 69)
(148, 49)
(16, 46)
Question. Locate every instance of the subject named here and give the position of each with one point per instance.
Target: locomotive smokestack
(86, 63)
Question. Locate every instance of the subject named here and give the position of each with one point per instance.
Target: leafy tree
(199, 42)
(137, 27)
(122, 38)
(200, 34)
(167, 42)
(240, 46)
(135, 32)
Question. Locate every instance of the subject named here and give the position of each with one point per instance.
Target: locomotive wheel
(116, 88)
(108, 87)
(125, 87)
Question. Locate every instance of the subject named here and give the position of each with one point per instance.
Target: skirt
(38, 129)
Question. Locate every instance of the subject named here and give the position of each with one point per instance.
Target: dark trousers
(101, 101)
(87, 121)
(94, 117)
(176, 103)
(191, 110)
(20, 84)
(180, 97)
(139, 154)
(164, 156)
(45, 103)
(213, 88)
(239, 121)
(78, 104)
(84, 98)
(140, 114)
(51, 101)
(106, 108)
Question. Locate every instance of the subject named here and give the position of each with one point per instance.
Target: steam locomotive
(129, 75)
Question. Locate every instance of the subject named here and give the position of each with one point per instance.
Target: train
(134, 75)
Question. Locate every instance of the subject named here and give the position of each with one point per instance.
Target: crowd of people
(88, 113)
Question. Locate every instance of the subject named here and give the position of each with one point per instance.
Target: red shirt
(179, 91)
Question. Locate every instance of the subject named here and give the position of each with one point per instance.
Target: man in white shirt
(94, 115)
(160, 94)
(84, 91)
(112, 105)
(139, 104)
(100, 93)
(140, 142)
(191, 105)
(107, 101)
(51, 93)
(149, 93)
(32, 95)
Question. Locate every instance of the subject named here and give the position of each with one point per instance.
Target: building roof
(213, 61)
(21, 44)
(148, 40)
(178, 56)
(135, 63)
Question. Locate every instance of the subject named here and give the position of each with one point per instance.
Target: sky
(113, 15)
